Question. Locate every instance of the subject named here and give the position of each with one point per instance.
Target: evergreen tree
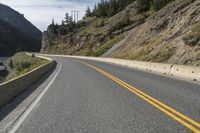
(88, 12)
(121, 4)
(143, 5)
(63, 23)
(101, 11)
(109, 7)
(113, 7)
(67, 18)
(95, 10)
(158, 4)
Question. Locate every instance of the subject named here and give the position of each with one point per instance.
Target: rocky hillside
(16, 33)
(169, 35)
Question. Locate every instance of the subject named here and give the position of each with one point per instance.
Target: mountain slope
(18, 21)
(17, 33)
(169, 35)
(13, 40)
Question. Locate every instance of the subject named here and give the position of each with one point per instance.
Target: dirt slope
(171, 35)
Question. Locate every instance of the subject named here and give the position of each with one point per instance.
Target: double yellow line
(184, 120)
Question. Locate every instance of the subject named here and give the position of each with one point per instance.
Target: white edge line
(31, 107)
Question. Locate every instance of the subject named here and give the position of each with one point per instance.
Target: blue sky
(41, 12)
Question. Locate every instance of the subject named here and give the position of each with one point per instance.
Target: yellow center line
(158, 102)
(159, 105)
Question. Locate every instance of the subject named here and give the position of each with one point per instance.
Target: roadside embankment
(13, 87)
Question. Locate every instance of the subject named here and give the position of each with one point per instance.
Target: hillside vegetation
(158, 30)
(21, 63)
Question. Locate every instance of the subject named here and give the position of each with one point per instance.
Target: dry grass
(22, 64)
(105, 47)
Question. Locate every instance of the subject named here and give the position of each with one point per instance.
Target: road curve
(95, 97)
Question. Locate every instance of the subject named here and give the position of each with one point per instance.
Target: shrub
(193, 37)
(23, 65)
(99, 23)
(11, 63)
(123, 23)
(105, 47)
(143, 5)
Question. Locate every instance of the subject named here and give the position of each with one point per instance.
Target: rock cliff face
(170, 35)
(16, 33)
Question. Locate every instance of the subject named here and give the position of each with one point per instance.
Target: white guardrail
(180, 71)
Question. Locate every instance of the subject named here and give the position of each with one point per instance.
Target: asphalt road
(103, 98)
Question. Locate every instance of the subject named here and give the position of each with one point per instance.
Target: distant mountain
(18, 21)
(13, 40)
(17, 33)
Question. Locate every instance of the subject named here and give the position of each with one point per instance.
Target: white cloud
(40, 13)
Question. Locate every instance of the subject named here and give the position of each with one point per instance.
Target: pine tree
(143, 5)
(63, 23)
(109, 7)
(158, 4)
(113, 7)
(88, 12)
(95, 10)
(101, 11)
(120, 4)
(67, 18)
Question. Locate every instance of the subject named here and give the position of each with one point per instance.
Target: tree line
(108, 8)
(67, 25)
(144, 5)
